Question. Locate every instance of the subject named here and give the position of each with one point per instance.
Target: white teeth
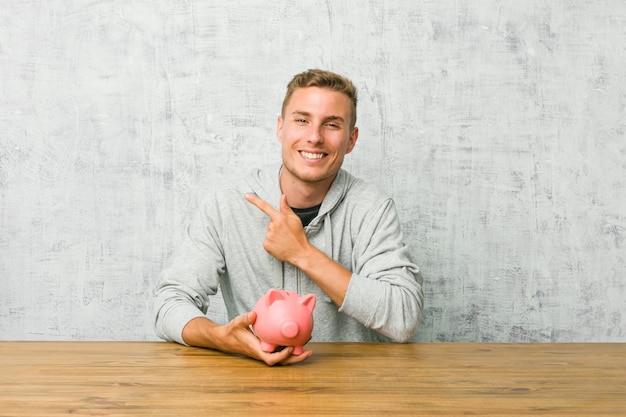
(310, 155)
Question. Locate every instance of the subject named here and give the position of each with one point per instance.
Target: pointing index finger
(262, 205)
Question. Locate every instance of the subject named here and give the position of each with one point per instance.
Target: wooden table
(341, 379)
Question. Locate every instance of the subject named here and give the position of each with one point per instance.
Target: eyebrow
(328, 118)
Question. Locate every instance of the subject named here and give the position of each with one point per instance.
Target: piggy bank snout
(290, 329)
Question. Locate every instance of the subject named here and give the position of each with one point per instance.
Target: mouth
(312, 155)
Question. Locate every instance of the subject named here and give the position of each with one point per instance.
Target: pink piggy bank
(284, 318)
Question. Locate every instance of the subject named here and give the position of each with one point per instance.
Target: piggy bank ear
(308, 301)
(273, 295)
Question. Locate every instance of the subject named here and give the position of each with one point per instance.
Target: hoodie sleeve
(385, 291)
(183, 291)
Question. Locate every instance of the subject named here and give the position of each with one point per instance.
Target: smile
(311, 155)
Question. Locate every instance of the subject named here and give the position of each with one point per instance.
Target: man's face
(315, 134)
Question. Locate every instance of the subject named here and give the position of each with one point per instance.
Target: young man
(306, 226)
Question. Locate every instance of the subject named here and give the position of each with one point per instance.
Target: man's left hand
(285, 238)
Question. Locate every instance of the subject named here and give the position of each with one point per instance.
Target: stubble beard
(309, 180)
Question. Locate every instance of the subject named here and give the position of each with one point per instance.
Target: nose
(315, 135)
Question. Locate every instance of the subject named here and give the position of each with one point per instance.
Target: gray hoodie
(356, 226)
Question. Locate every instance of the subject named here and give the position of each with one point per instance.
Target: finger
(261, 205)
(244, 320)
(297, 358)
(250, 317)
(284, 205)
(274, 358)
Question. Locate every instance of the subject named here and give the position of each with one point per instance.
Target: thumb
(248, 318)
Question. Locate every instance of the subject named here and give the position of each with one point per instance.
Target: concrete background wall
(498, 127)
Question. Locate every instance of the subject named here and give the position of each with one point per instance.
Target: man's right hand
(237, 337)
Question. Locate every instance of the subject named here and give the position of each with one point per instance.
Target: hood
(265, 183)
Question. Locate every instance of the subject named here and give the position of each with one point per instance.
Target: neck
(302, 194)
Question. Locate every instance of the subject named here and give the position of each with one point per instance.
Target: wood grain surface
(341, 379)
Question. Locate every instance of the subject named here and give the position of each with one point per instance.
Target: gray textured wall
(498, 126)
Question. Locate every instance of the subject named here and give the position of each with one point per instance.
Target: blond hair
(323, 79)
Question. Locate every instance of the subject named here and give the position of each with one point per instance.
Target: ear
(279, 128)
(308, 301)
(273, 295)
(354, 135)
